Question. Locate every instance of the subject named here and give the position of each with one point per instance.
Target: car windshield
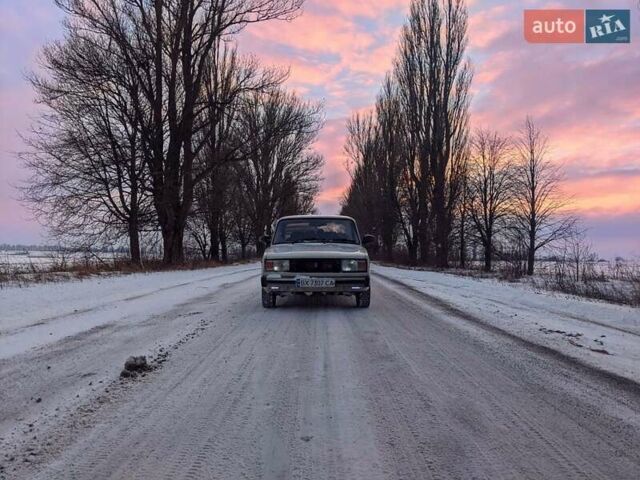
(316, 230)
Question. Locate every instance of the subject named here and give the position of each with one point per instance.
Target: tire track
(321, 390)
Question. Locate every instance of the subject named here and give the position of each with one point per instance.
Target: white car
(316, 255)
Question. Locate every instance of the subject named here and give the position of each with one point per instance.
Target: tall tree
(229, 82)
(539, 208)
(376, 153)
(88, 172)
(168, 45)
(362, 199)
(434, 79)
(280, 174)
(490, 189)
(389, 164)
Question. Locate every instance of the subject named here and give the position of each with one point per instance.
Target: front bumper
(285, 284)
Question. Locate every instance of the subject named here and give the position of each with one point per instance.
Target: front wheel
(268, 299)
(363, 300)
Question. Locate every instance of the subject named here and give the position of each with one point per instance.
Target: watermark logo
(554, 26)
(577, 26)
(608, 26)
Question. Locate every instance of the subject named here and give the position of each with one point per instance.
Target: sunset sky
(585, 97)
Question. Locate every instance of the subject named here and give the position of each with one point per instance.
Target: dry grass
(617, 283)
(62, 270)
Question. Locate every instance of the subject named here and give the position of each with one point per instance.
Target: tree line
(155, 126)
(426, 184)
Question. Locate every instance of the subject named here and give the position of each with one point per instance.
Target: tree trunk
(531, 259)
(442, 225)
(463, 241)
(413, 253)
(224, 249)
(423, 236)
(214, 253)
(172, 242)
(203, 249)
(442, 254)
(134, 234)
(488, 257)
(134, 242)
(387, 240)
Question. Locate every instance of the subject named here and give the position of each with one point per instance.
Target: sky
(586, 98)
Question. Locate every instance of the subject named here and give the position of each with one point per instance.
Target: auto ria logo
(608, 26)
(577, 26)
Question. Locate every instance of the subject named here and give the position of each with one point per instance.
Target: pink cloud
(488, 26)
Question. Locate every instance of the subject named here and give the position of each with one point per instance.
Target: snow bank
(603, 335)
(41, 314)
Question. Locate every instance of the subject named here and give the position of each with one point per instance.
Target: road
(317, 389)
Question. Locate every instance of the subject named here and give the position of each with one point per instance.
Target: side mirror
(368, 240)
(265, 240)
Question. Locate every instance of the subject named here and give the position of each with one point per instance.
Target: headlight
(276, 265)
(354, 265)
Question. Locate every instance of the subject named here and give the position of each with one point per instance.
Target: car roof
(306, 217)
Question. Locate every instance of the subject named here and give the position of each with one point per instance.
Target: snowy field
(44, 259)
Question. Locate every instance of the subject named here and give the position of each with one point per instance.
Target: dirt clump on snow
(135, 365)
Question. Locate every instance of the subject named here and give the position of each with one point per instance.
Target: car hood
(316, 250)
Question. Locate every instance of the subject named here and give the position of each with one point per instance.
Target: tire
(268, 299)
(363, 300)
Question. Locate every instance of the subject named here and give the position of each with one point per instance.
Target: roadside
(614, 282)
(63, 345)
(45, 313)
(603, 336)
(31, 268)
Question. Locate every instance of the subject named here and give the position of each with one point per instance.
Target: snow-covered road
(414, 388)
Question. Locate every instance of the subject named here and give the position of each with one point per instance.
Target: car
(316, 255)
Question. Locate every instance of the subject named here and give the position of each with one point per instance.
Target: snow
(264, 381)
(576, 327)
(42, 314)
(37, 258)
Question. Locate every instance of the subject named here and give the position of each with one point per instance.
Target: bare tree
(389, 164)
(490, 188)
(230, 80)
(280, 174)
(434, 79)
(242, 230)
(168, 45)
(362, 199)
(462, 217)
(408, 158)
(581, 256)
(539, 208)
(88, 172)
(376, 160)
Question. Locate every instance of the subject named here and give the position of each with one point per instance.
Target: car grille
(315, 266)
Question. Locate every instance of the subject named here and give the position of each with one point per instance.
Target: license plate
(315, 283)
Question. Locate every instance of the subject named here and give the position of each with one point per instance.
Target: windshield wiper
(306, 240)
(318, 240)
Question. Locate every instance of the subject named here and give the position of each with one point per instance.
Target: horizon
(338, 52)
